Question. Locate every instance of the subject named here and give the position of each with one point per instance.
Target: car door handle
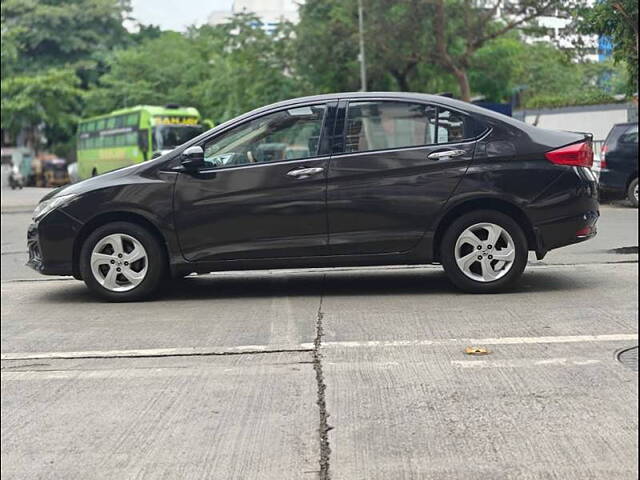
(305, 172)
(446, 154)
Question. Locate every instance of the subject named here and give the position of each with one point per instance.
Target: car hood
(95, 183)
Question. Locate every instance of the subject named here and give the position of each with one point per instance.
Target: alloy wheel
(485, 252)
(119, 262)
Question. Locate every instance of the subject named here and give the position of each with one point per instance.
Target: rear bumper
(50, 244)
(570, 214)
(567, 231)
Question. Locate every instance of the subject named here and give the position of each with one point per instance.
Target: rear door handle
(305, 172)
(446, 154)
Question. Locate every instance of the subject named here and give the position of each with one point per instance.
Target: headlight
(47, 206)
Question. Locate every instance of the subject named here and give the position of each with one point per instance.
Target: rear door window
(380, 125)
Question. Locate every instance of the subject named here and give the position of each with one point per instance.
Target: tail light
(576, 155)
(583, 232)
(603, 157)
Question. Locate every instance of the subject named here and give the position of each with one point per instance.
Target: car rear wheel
(484, 252)
(122, 262)
(632, 193)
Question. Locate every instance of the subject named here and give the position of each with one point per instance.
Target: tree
(618, 20)
(222, 70)
(50, 50)
(461, 28)
(33, 103)
(396, 38)
(424, 45)
(52, 33)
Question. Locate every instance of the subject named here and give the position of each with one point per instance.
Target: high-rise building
(271, 12)
(557, 28)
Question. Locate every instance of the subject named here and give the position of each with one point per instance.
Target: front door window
(285, 135)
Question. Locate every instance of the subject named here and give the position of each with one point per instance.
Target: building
(556, 28)
(271, 12)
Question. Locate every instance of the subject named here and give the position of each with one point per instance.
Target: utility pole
(361, 58)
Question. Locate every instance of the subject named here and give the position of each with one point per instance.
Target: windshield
(167, 137)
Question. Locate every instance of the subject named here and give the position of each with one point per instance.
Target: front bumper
(50, 243)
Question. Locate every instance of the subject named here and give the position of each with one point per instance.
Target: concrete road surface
(342, 374)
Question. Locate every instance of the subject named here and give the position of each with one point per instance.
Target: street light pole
(363, 65)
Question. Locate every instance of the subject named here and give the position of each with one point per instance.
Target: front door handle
(446, 154)
(305, 172)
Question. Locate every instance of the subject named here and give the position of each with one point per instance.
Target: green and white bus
(133, 135)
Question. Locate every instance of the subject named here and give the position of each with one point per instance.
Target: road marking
(157, 352)
(119, 373)
(618, 337)
(519, 363)
(307, 347)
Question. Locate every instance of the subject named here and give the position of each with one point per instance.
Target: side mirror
(192, 159)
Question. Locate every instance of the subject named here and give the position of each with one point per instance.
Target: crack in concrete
(323, 428)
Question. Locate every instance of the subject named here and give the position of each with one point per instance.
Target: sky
(176, 15)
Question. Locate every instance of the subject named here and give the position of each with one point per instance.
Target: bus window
(131, 138)
(111, 123)
(132, 120)
(120, 121)
(100, 124)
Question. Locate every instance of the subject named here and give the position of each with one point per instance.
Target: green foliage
(397, 46)
(55, 33)
(67, 59)
(550, 78)
(50, 50)
(618, 20)
(496, 68)
(51, 98)
(223, 71)
(326, 46)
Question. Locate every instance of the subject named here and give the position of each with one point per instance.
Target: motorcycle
(16, 180)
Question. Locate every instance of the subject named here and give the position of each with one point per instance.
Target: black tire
(156, 262)
(455, 273)
(632, 193)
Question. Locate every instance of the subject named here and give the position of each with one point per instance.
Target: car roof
(425, 97)
(537, 134)
(415, 96)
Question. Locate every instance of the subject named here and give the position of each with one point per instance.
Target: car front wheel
(484, 252)
(122, 262)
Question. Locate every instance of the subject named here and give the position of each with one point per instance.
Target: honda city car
(350, 179)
